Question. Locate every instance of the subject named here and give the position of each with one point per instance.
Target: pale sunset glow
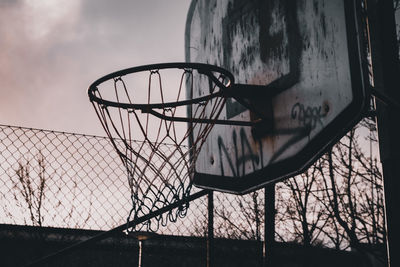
(52, 50)
(46, 17)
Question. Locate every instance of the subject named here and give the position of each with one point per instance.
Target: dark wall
(20, 245)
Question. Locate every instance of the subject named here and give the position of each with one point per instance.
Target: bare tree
(301, 217)
(353, 192)
(41, 197)
(32, 188)
(239, 217)
(338, 201)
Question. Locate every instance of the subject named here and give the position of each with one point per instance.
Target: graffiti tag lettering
(307, 116)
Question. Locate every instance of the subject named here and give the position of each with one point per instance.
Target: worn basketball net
(157, 128)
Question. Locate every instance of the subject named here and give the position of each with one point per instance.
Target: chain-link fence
(69, 180)
(60, 179)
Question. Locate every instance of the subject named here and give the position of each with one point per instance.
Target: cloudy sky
(52, 50)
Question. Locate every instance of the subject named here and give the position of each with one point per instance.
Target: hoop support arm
(377, 92)
(257, 99)
(195, 120)
(260, 127)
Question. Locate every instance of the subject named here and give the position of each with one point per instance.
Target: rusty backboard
(310, 50)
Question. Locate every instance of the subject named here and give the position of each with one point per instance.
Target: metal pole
(140, 253)
(269, 225)
(386, 68)
(210, 238)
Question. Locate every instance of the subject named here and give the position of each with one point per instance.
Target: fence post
(210, 236)
(269, 225)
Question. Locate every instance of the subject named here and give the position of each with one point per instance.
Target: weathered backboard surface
(310, 51)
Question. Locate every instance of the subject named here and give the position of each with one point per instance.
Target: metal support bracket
(257, 99)
(384, 98)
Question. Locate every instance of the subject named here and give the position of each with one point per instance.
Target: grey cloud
(9, 3)
(44, 82)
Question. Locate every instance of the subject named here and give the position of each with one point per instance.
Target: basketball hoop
(158, 132)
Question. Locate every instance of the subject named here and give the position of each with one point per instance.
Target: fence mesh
(60, 179)
(69, 180)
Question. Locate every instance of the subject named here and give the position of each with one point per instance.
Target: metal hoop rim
(202, 68)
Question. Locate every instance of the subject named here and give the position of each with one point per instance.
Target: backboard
(308, 52)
